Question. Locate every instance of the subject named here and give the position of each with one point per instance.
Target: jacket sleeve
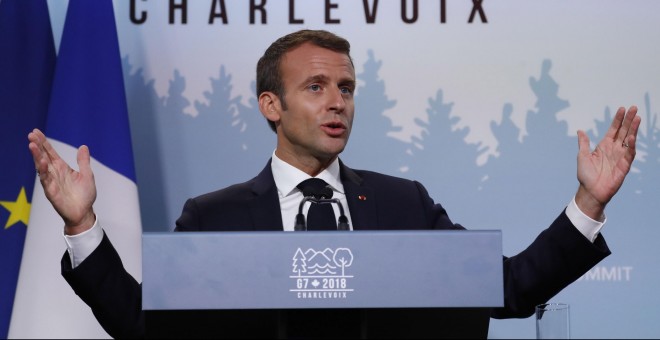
(556, 258)
(109, 290)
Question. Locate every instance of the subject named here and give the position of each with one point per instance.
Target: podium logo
(321, 274)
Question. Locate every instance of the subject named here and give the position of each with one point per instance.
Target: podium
(353, 284)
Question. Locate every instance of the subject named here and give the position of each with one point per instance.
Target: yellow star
(19, 210)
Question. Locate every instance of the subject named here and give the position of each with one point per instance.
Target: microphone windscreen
(326, 192)
(309, 191)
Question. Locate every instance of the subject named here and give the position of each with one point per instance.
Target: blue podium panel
(336, 269)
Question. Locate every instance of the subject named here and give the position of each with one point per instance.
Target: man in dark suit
(305, 86)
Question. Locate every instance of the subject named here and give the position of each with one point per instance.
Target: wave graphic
(324, 269)
(321, 272)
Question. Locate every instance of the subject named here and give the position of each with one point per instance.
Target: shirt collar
(287, 177)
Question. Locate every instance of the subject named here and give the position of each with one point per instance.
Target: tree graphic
(214, 138)
(536, 172)
(258, 139)
(456, 178)
(648, 142)
(299, 262)
(644, 174)
(369, 143)
(144, 106)
(174, 142)
(601, 127)
(507, 133)
(343, 258)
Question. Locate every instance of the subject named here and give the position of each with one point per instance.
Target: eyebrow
(316, 78)
(321, 78)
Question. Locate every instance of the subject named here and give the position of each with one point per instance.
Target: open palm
(602, 172)
(72, 193)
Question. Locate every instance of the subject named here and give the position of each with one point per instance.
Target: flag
(87, 106)
(27, 63)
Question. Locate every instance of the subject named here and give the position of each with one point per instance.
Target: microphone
(324, 196)
(301, 225)
(342, 221)
(326, 192)
(308, 196)
(309, 191)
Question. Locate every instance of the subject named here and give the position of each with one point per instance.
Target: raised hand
(602, 172)
(72, 193)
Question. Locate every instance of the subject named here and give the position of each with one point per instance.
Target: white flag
(87, 106)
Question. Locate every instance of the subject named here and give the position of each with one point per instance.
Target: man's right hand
(72, 193)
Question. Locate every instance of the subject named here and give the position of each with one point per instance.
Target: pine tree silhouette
(537, 175)
(214, 138)
(507, 133)
(177, 164)
(444, 162)
(180, 156)
(643, 180)
(258, 139)
(601, 127)
(648, 142)
(143, 106)
(369, 146)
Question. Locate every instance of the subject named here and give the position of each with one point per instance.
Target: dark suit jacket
(558, 256)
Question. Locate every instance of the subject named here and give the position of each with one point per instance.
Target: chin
(331, 153)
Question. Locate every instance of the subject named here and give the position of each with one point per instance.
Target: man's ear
(270, 106)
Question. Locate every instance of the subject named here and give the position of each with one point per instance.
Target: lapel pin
(362, 197)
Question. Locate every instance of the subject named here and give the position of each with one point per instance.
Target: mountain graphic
(326, 254)
(319, 262)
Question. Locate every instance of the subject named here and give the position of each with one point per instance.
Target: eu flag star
(19, 210)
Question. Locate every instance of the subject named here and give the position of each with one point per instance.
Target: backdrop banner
(478, 100)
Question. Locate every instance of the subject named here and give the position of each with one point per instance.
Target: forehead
(310, 60)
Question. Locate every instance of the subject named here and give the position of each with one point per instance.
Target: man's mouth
(334, 129)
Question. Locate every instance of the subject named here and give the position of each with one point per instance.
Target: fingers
(626, 125)
(583, 143)
(613, 131)
(632, 131)
(631, 116)
(50, 152)
(631, 138)
(46, 159)
(37, 139)
(83, 160)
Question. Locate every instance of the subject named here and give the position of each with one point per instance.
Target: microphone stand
(342, 221)
(301, 225)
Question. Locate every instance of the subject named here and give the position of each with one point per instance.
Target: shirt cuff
(589, 227)
(82, 245)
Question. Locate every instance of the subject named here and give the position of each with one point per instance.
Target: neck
(309, 165)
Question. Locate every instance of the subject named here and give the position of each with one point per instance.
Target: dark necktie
(319, 216)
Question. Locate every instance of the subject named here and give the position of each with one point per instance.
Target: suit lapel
(265, 206)
(361, 200)
(267, 215)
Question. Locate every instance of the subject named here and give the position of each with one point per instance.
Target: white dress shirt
(287, 177)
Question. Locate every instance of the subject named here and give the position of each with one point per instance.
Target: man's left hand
(601, 172)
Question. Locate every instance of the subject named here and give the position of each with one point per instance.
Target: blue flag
(27, 63)
(87, 106)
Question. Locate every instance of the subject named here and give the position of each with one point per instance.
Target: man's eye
(346, 90)
(315, 87)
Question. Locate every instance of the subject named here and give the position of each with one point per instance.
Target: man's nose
(337, 100)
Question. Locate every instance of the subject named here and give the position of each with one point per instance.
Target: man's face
(318, 91)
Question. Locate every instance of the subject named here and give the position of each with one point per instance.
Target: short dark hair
(269, 75)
